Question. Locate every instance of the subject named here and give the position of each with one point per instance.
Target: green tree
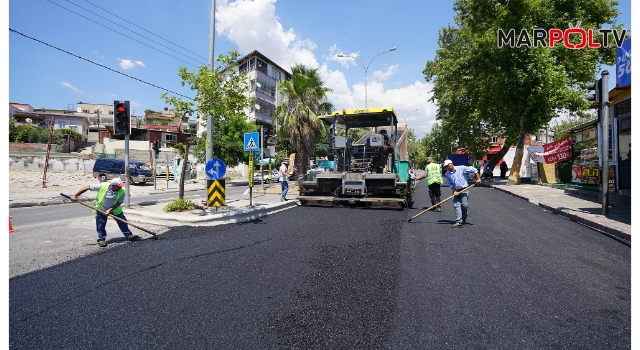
(438, 143)
(413, 149)
(305, 97)
(480, 87)
(220, 93)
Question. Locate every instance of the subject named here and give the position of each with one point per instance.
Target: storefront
(588, 163)
(622, 121)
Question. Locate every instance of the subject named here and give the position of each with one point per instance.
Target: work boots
(102, 243)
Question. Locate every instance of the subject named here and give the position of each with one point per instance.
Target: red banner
(554, 152)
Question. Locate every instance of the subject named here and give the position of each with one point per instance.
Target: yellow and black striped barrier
(216, 193)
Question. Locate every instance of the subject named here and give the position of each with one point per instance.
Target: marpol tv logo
(586, 38)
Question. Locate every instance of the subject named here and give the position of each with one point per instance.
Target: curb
(569, 214)
(599, 226)
(56, 201)
(235, 215)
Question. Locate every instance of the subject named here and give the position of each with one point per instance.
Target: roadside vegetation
(305, 97)
(481, 89)
(221, 95)
(179, 204)
(35, 134)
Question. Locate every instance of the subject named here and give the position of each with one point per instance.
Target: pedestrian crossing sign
(251, 141)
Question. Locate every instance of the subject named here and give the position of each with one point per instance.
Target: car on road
(257, 177)
(108, 168)
(161, 171)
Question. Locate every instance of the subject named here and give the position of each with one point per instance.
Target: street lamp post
(405, 117)
(366, 69)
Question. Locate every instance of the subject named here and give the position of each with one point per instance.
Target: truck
(366, 172)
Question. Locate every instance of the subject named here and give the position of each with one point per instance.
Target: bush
(35, 134)
(179, 204)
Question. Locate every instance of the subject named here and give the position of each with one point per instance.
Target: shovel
(113, 216)
(433, 206)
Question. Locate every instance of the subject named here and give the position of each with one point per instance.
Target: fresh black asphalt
(341, 278)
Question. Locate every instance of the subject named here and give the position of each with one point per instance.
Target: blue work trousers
(101, 224)
(461, 205)
(285, 188)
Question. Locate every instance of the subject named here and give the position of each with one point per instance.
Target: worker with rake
(109, 200)
(433, 174)
(457, 180)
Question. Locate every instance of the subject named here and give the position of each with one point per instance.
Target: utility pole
(261, 155)
(212, 34)
(99, 131)
(605, 142)
(46, 160)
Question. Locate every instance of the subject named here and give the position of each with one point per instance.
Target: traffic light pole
(605, 142)
(155, 165)
(126, 172)
(262, 155)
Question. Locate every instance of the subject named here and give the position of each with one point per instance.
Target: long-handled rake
(435, 205)
(155, 236)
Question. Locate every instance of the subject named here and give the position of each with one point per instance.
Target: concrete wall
(112, 144)
(34, 147)
(55, 163)
(135, 155)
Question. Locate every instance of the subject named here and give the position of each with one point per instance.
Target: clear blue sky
(286, 31)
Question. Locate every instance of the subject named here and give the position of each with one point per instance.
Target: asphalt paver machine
(366, 171)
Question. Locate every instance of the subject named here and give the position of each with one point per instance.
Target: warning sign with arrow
(251, 141)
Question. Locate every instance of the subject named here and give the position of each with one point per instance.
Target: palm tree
(305, 97)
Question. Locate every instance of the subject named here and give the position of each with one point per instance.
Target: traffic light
(597, 87)
(156, 147)
(122, 118)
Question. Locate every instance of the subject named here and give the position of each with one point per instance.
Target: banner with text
(554, 152)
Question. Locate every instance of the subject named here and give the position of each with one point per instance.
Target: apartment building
(263, 75)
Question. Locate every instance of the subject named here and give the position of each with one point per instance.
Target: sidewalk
(582, 209)
(238, 209)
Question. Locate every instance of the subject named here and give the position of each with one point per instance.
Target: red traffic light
(121, 108)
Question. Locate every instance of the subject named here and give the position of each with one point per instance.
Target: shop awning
(582, 127)
(494, 150)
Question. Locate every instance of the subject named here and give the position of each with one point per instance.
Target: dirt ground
(30, 180)
(28, 183)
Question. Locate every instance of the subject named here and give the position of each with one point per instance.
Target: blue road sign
(623, 64)
(215, 169)
(251, 141)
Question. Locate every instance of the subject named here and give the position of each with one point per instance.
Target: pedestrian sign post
(251, 144)
(215, 169)
(251, 141)
(250, 172)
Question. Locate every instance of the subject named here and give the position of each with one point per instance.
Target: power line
(122, 33)
(106, 19)
(98, 64)
(113, 14)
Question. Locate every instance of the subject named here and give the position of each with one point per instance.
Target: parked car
(161, 171)
(108, 168)
(257, 177)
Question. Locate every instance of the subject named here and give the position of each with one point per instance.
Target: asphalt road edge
(571, 215)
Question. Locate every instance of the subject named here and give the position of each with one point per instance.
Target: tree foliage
(220, 93)
(437, 143)
(36, 134)
(481, 88)
(305, 97)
